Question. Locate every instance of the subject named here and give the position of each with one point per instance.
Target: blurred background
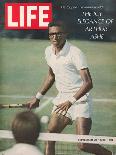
(71, 11)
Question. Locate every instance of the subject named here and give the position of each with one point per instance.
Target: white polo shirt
(66, 66)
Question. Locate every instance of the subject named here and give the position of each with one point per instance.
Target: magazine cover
(57, 77)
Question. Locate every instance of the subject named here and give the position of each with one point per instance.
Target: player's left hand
(63, 108)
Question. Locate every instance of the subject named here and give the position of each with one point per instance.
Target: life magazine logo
(27, 15)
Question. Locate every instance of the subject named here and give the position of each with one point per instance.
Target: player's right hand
(33, 103)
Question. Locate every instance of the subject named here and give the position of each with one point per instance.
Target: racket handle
(12, 106)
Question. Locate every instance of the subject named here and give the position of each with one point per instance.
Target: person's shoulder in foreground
(25, 129)
(22, 149)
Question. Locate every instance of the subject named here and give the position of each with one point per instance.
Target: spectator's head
(26, 127)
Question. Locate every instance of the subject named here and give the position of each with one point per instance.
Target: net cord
(6, 134)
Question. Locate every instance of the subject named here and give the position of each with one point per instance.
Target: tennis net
(66, 144)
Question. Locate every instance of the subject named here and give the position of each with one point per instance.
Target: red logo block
(27, 15)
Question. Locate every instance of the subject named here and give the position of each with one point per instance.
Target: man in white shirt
(68, 69)
(25, 129)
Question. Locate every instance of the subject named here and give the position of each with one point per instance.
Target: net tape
(67, 138)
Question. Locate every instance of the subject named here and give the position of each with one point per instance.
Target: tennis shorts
(81, 108)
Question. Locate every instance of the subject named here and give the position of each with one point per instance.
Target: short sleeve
(79, 59)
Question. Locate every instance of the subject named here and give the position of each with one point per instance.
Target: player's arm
(86, 86)
(87, 83)
(47, 84)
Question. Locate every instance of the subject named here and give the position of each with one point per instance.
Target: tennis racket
(12, 106)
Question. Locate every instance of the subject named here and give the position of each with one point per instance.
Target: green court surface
(23, 68)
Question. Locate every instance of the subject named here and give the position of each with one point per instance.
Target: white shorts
(82, 108)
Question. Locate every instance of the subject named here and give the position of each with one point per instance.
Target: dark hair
(58, 23)
(26, 127)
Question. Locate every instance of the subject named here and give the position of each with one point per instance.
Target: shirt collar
(64, 50)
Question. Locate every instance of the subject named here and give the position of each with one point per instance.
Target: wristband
(72, 100)
(39, 95)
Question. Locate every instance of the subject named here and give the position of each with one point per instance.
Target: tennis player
(69, 70)
(25, 129)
